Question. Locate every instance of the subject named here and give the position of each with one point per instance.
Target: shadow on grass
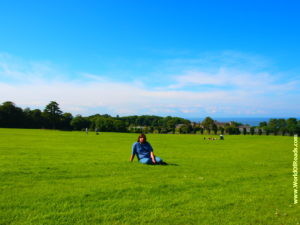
(164, 164)
(172, 164)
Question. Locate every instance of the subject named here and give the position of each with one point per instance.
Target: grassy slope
(53, 177)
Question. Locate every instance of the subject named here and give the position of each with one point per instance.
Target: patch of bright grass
(55, 177)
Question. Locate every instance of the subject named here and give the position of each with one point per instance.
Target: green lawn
(55, 177)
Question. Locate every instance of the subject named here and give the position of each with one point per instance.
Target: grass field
(55, 177)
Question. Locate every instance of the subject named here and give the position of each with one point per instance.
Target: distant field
(55, 177)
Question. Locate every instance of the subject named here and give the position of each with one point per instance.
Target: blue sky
(178, 58)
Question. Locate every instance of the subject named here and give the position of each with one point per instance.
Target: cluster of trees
(52, 117)
(289, 126)
(134, 124)
(209, 126)
(283, 127)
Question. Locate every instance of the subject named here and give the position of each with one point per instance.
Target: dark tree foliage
(252, 129)
(34, 118)
(52, 117)
(293, 126)
(80, 123)
(11, 116)
(215, 128)
(232, 130)
(208, 123)
(65, 121)
(289, 126)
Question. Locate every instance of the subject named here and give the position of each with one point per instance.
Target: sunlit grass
(54, 177)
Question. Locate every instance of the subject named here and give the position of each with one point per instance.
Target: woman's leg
(146, 161)
(158, 160)
(149, 161)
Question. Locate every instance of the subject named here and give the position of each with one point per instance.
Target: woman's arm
(132, 157)
(133, 152)
(152, 157)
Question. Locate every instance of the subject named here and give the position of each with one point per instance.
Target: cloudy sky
(178, 58)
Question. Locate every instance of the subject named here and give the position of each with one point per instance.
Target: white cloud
(226, 78)
(209, 61)
(36, 84)
(120, 98)
(18, 70)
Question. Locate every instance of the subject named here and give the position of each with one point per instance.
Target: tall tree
(273, 126)
(53, 114)
(291, 125)
(208, 123)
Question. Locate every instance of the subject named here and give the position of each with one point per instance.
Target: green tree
(53, 114)
(208, 123)
(232, 130)
(159, 129)
(65, 122)
(184, 129)
(282, 126)
(119, 126)
(11, 116)
(262, 124)
(291, 125)
(215, 128)
(273, 126)
(151, 129)
(252, 129)
(80, 123)
(34, 118)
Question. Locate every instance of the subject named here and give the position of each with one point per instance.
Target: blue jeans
(149, 160)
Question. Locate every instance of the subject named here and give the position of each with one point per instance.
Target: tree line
(290, 126)
(52, 117)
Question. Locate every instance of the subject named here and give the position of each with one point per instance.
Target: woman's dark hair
(142, 136)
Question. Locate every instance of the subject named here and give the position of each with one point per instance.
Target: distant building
(241, 128)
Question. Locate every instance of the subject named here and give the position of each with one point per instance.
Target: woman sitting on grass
(144, 152)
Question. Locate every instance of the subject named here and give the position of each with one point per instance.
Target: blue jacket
(142, 150)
